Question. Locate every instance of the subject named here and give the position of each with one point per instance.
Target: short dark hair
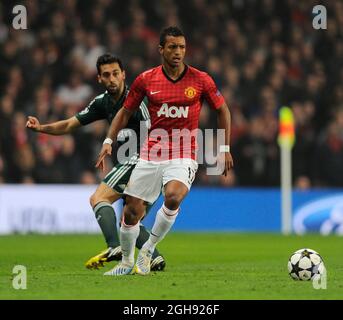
(170, 31)
(108, 58)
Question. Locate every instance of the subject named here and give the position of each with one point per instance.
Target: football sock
(106, 218)
(143, 237)
(164, 220)
(128, 237)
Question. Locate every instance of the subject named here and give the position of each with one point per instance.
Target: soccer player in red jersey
(175, 92)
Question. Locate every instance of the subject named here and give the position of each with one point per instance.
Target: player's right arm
(92, 112)
(131, 103)
(119, 122)
(55, 128)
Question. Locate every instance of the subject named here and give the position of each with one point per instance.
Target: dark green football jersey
(104, 107)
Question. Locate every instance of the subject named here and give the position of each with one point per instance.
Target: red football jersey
(174, 107)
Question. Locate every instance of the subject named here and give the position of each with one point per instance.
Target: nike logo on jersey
(154, 92)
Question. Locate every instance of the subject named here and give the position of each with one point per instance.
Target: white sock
(164, 220)
(128, 237)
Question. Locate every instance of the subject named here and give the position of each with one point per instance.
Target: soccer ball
(306, 264)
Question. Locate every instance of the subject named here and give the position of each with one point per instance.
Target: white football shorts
(149, 177)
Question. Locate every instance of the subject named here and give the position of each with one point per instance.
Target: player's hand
(106, 150)
(33, 123)
(228, 163)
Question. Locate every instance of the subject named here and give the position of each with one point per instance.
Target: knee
(102, 196)
(134, 211)
(93, 200)
(172, 200)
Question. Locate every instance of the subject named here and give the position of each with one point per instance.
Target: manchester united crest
(190, 92)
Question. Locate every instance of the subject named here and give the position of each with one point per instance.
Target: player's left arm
(224, 122)
(217, 102)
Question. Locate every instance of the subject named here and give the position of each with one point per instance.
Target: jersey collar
(179, 78)
(122, 97)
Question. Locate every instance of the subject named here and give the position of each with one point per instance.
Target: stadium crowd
(262, 55)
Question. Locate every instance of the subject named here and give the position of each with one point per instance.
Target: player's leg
(101, 202)
(133, 212)
(144, 187)
(118, 181)
(175, 192)
(177, 180)
(157, 262)
(110, 190)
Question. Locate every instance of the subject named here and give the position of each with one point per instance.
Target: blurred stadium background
(262, 55)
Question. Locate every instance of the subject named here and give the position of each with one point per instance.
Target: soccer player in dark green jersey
(105, 106)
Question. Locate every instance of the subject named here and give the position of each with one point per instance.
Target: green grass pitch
(199, 266)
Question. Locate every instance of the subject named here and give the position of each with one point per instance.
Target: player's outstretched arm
(224, 122)
(119, 122)
(55, 128)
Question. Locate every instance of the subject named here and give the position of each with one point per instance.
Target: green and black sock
(107, 221)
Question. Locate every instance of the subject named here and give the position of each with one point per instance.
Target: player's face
(174, 51)
(112, 77)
